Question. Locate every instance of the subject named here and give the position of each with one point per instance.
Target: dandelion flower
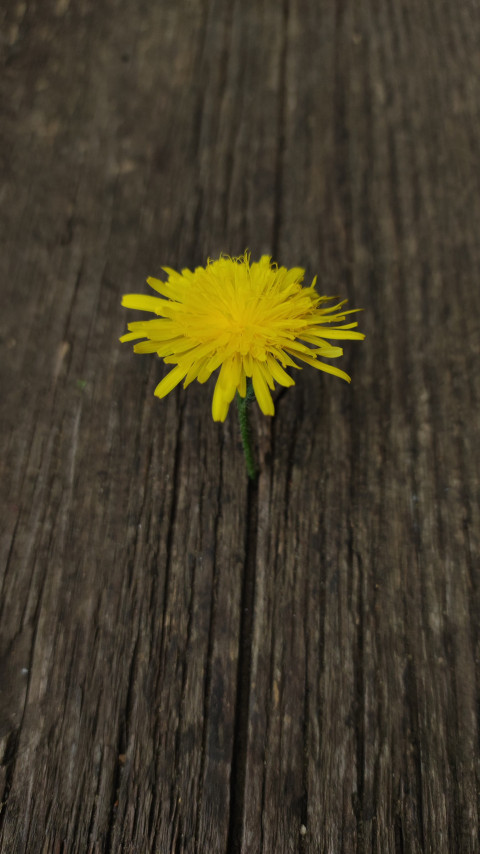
(253, 321)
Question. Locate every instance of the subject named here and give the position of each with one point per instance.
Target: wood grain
(188, 662)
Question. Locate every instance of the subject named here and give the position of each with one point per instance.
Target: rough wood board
(187, 663)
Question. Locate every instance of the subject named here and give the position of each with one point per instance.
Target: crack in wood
(242, 708)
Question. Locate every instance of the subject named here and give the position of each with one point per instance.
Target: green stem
(242, 405)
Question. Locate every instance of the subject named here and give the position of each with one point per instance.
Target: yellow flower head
(249, 320)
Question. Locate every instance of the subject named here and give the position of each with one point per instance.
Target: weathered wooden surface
(189, 664)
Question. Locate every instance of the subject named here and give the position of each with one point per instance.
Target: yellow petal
(278, 373)
(322, 366)
(143, 302)
(163, 288)
(129, 336)
(343, 332)
(204, 373)
(248, 364)
(262, 366)
(145, 347)
(229, 377)
(160, 330)
(170, 381)
(194, 371)
(242, 385)
(262, 393)
(283, 358)
(219, 404)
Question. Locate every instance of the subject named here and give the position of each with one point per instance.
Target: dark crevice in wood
(12, 742)
(210, 647)
(413, 676)
(343, 176)
(242, 706)
(398, 830)
(152, 812)
(243, 228)
(228, 53)
(94, 811)
(412, 734)
(298, 407)
(181, 708)
(177, 755)
(473, 612)
(199, 76)
(280, 153)
(130, 566)
(341, 132)
(171, 531)
(130, 698)
(302, 847)
(41, 549)
(268, 720)
(179, 839)
(359, 676)
(413, 739)
(7, 562)
(121, 749)
(411, 691)
(8, 762)
(197, 223)
(76, 287)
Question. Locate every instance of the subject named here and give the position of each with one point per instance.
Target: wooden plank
(121, 676)
(189, 663)
(363, 706)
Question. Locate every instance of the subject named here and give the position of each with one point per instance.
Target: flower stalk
(243, 404)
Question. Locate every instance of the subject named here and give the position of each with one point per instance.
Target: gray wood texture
(189, 663)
